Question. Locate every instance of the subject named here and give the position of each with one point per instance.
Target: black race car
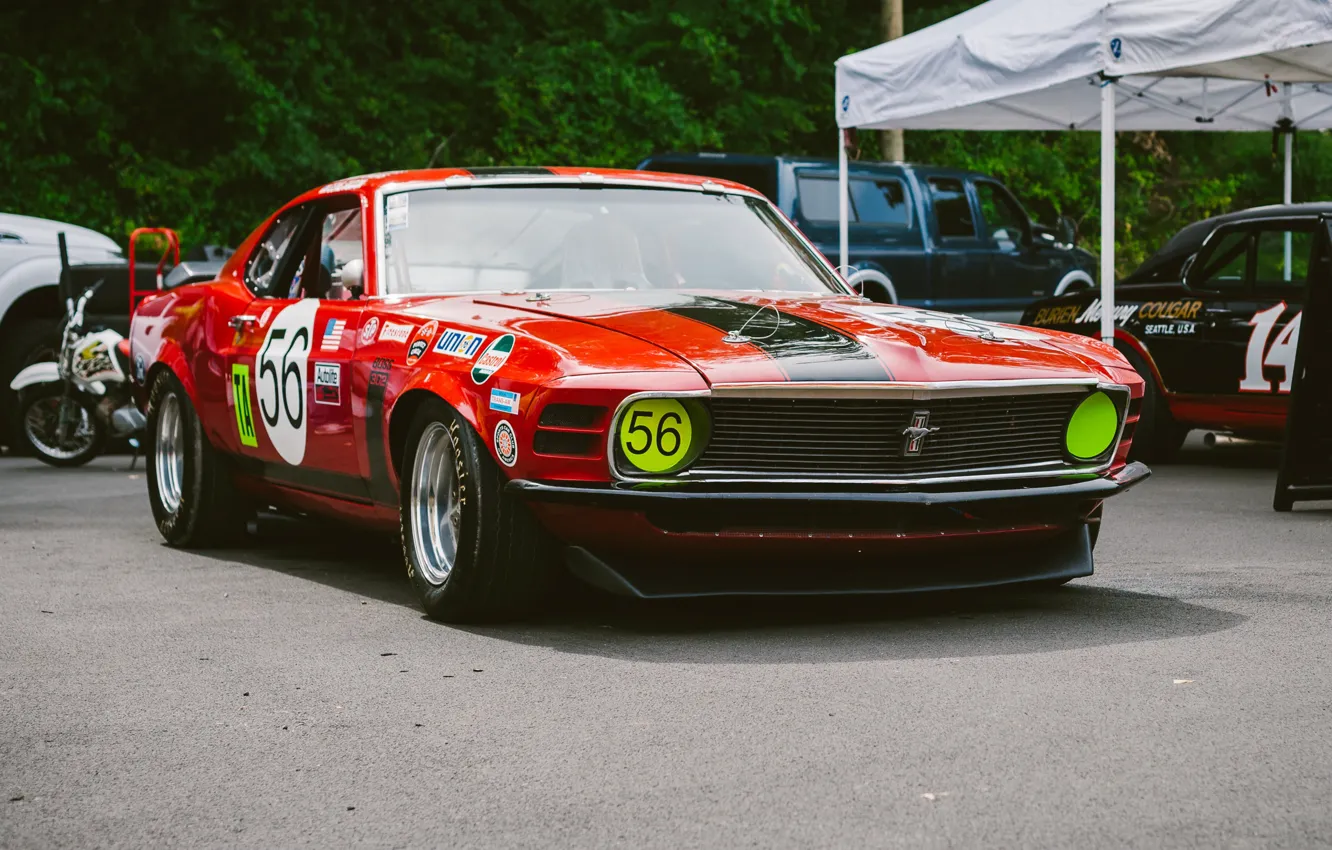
(1211, 320)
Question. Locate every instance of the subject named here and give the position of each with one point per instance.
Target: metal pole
(1286, 195)
(1108, 212)
(892, 143)
(843, 209)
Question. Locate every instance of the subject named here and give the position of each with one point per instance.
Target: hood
(731, 337)
(44, 231)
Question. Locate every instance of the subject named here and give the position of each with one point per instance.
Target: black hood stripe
(806, 350)
(510, 171)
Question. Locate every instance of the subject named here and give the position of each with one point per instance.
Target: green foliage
(207, 114)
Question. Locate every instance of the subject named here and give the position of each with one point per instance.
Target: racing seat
(602, 253)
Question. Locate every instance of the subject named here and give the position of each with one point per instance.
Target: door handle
(238, 322)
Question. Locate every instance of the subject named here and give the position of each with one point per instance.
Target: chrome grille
(864, 437)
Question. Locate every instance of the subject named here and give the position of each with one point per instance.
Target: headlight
(659, 436)
(1092, 427)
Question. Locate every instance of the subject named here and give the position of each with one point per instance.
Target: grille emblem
(916, 432)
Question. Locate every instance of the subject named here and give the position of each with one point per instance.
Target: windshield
(528, 238)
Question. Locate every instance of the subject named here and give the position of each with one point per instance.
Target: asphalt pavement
(290, 693)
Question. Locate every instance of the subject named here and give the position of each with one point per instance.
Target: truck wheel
(189, 489)
(23, 343)
(1158, 436)
(473, 552)
(40, 410)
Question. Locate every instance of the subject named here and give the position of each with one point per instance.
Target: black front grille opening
(567, 443)
(585, 416)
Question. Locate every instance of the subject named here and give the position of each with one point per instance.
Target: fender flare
(1130, 341)
(420, 386)
(1074, 277)
(37, 373)
(172, 359)
(876, 275)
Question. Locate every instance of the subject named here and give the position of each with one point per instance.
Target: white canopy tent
(1064, 64)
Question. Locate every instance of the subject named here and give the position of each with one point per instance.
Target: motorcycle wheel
(39, 423)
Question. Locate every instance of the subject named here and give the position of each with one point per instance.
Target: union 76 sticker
(490, 361)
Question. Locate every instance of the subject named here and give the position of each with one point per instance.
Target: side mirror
(1068, 230)
(353, 277)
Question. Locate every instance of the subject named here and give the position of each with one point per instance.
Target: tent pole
(1286, 197)
(1108, 212)
(843, 211)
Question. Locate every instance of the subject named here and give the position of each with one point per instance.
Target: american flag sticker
(332, 339)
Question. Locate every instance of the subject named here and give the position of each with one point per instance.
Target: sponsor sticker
(393, 332)
(140, 368)
(369, 329)
(490, 361)
(328, 383)
(379, 371)
(421, 341)
(506, 444)
(456, 343)
(240, 394)
(504, 401)
(332, 338)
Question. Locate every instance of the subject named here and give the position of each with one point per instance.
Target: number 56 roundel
(279, 378)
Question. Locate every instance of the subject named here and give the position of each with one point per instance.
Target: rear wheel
(189, 490)
(60, 430)
(31, 340)
(1158, 436)
(473, 552)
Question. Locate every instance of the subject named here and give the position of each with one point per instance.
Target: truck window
(1272, 255)
(880, 201)
(952, 211)
(1004, 219)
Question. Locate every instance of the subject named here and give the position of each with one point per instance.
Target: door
(289, 362)
(1253, 292)
(959, 268)
(1019, 271)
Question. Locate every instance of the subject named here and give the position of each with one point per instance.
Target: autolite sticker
(328, 383)
(490, 361)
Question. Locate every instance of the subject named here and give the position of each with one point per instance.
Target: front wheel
(1158, 437)
(473, 552)
(60, 430)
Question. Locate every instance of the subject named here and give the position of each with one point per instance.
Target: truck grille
(864, 437)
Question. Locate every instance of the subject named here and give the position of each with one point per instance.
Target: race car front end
(838, 487)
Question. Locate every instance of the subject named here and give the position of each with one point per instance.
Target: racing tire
(1158, 437)
(29, 341)
(453, 503)
(189, 488)
(44, 396)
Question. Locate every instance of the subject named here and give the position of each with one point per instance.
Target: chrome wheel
(435, 511)
(169, 453)
(41, 425)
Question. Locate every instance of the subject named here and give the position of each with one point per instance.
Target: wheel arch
(421, 387)
(1075, 279)
(171, 359)
(1134, 344)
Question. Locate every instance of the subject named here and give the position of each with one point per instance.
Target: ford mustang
(653, 381)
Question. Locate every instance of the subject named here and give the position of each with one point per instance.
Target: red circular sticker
(506, 444)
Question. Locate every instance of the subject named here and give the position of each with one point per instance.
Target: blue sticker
(504, 401)
(1116, 47)
(846, 102)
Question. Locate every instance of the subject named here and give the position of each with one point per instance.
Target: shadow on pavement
(757, 630)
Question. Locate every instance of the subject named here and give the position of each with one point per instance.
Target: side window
(1225, 266)
(265, 264)
(1282, 258)
(880, 202)
(1004, 220)
(331, 242)
(952, 212)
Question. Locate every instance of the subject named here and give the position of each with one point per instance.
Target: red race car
(653, 380)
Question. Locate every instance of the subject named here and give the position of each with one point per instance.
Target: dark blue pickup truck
(930, 237)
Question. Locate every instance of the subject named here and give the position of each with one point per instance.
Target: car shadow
(759, 630)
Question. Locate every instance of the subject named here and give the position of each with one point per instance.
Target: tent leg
(1108, 212)
(843, 211)
(1286, 199)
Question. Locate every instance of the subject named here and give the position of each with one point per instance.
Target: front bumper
(698, 540)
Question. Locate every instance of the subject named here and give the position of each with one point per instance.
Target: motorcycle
(69, 408)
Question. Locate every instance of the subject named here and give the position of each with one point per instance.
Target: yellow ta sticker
(240, 392)
(655, 434)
